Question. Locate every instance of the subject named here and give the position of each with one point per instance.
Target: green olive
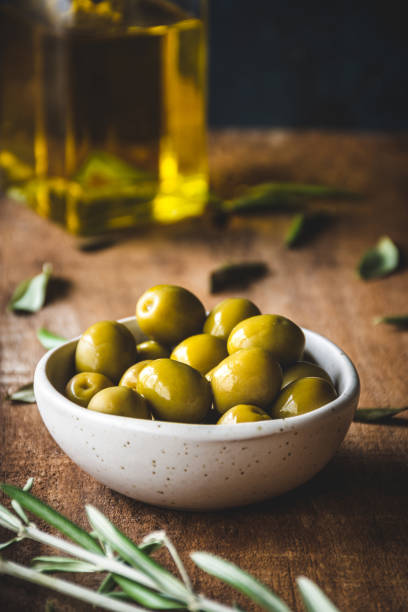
(175, 391)
(120, 401)
(201, 352)
(249, 376)
(301, 396)
(227, 314)
(130, 377)
(169, 314)
(274, 333)
(107, 347)
(302, 369)
(82, 387)
(151, 349)
(243, 413)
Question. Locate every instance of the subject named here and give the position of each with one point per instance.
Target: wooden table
(346, 529)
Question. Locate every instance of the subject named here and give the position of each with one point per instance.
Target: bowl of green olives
(185, 409)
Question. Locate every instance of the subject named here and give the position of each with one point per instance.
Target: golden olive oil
(103, 112)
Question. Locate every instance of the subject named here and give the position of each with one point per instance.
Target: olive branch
(133, 581)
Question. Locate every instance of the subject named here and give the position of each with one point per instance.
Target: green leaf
(134, 556)
(400, 321)
(66, 587)
(242, 581)
(151, 542)
(373, 415)
(275, 197)
(28, 485)
(379, 261)
(138, 592)
(8, 520)
(117, 595)
(52, 517)
(24, 394)
(107, 584)
(19, 511)
(30, 294)
(304, 226)
(155, 540)
(313, 597)
(239, 274)
(295, 230)
(48, 339)
(62, 564)
(146, 597)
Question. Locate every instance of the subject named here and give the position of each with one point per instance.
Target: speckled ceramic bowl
(198, 467)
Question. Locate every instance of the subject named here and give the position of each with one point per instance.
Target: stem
(65, 587)
(100, 561)
(178, 562)
(194, 602)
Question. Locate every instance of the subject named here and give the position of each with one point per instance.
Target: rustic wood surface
(346, 529)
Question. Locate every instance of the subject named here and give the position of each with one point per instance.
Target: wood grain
(346, 529)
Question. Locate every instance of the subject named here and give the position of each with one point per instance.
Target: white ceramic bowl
(198, 467)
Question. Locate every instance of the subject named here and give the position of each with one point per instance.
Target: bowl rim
(44, 389)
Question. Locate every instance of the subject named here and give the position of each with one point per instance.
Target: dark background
(308, 64)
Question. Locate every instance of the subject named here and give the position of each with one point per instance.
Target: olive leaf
(30, 294)
(313, 597)
(28, 485)
(107, 584)
(48, 339)
(152, 542)
(275, 197)
(54, 518)
(236, 275)
(146, 597)
(150, 585)
(374, 415)
(117, 595)
(62, 564)
(295, 230)
(133, 555)
(9, 520)
(24, 394)
(400, 321)
(379, 261)
(19, 511)
(304, 226)
(240, 580)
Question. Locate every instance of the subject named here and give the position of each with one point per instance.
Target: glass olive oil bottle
(103, 110)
